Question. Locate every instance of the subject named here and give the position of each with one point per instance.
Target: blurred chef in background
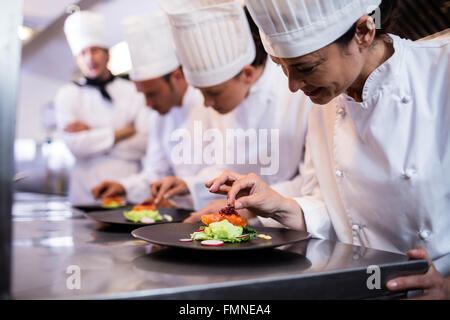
(157, 74)
(222, 55)
(101, 117)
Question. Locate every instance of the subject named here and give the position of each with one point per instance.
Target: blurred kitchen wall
(42, 161)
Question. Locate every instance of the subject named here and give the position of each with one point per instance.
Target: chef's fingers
(154, 188)
(197, 216)
(166, 185)
(242, 187)
(110, 191)
(98, 190)
(177, 189)
(227, 183)
(223, 190)
(226, 178)
(70, 128)
(411, 282)
(424, 281)
(148, 202)
(419, 253)
(244, 202)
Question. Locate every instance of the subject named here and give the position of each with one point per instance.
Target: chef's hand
(124, 133)
(433, 284)
(252, 193)
(76, 126)
(150, 201)
(108, 189)
(214, 207)
(168, 187)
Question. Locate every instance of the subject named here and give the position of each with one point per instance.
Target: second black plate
(115, 217)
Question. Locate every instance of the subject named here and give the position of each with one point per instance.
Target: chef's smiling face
(323, 74)
(93, 62)
(225, 97)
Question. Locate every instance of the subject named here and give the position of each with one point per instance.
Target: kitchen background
(42, 161)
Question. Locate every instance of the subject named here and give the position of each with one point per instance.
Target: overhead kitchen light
(24, 33)
(119, 58)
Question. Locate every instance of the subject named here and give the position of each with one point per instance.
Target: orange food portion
(142, 207)
(110, 200)
(234, 219)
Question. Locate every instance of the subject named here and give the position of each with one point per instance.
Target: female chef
(222, 58)
(378, 149)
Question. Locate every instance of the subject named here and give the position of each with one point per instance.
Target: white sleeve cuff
(317, 220)
(137, 187)
(199, 193)
(442, 265)
(269, 222)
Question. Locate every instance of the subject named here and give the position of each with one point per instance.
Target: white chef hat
(85, 29)
(212, 37)
(293, 28)
(151, 46)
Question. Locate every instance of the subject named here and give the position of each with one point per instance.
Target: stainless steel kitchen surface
(51, 241)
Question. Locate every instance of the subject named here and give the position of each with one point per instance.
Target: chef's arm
(124, 133)
(196, 185)
(156, 165)
(82, 140)
(312, 203)
(90, 142)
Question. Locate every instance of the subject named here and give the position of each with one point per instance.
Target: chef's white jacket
(165, 137)
(97, 157)
(271, 122)
(377, 173)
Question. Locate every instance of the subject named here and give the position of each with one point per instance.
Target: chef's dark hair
(261, 54)
(167, 76)
(387, 14)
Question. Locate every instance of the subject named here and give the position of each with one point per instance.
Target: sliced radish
(243, 236)
(212, 243)
(186, 240)
(147, 220)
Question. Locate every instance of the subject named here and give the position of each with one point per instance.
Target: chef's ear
(248, 74)
(107, 55)
(365, 31)
(177, 74)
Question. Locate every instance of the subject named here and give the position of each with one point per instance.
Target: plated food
(145, 213)
(225, 226)
(113, 202)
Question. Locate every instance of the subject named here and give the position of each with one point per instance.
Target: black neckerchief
(99, 84)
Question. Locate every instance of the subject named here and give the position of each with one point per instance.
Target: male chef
(101, 117)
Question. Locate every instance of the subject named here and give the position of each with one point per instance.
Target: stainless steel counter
(51, 239)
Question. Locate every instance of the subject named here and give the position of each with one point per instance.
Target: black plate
(97, 207)
(115, 217)
(170, 234)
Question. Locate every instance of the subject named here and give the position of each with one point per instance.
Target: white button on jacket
(395, 153)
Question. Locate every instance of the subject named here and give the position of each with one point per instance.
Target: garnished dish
(225, 226)
(113, 202)
(145, 213)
